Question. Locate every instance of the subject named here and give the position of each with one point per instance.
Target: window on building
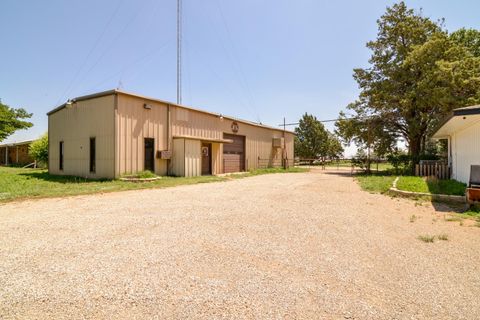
(92, 154)
(61, 151)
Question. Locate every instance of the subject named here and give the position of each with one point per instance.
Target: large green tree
(313, 141)
(417, 75)
(469, 38)
(12, 119)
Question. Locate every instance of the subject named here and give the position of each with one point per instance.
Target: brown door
(149, 154)
(234, 153)
(206, 158)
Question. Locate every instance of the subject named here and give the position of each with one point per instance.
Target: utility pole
(284, 151)
(179, 51)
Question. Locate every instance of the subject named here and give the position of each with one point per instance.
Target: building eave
(116, 91)
(456, 121)
(14, 144)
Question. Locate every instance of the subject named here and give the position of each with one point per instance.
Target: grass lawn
(434, 186)
(377, 183)
(18, 183)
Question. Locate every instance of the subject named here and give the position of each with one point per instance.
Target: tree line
(418, 72)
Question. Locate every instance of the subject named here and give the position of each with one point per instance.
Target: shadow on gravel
(448, 207)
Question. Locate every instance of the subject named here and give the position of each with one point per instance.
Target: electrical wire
(248, 106)
(237, 60)
(209, 67)
(117, 37)
(130, 65)
(97, 41)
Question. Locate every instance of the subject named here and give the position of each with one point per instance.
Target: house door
(149, 154)
(206, 158)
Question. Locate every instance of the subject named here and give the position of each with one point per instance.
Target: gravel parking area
(279, 246)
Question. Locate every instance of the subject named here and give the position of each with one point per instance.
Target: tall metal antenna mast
(179, 51)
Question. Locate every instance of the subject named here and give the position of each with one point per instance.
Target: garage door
(234, 153)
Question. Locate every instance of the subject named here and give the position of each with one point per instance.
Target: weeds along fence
(274, 163)
(433, 168)
(341, 163)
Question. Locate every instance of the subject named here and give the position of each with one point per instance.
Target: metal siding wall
(217, 158)
(258, 139)
(75, 126)
(193, 158)
(178, 158)
(134, 123)
(466, 152)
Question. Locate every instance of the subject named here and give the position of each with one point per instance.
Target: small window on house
(92, 154)
(61, 152)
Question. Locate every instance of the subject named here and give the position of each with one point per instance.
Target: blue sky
(260, 60)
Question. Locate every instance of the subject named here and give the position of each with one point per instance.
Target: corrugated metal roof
(13, 144)
(116, 91)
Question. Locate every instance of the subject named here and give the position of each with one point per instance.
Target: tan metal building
(112, 133)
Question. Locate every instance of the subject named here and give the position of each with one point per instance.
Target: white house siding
(465, 146)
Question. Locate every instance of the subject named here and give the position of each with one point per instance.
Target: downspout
(116, 158)
(169, 137)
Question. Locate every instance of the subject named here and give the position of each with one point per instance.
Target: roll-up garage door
(234, 153)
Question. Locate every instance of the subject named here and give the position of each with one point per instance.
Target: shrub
(400, 161)
(38, 150)
(146, 174)
(426, 238)
(443, 237)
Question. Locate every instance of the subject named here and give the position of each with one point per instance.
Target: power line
(129, 22)
(209, 67)
(328, 120)
(244, 98)
(97, 41)
(133, 63)
(242, 77)
(179, 51)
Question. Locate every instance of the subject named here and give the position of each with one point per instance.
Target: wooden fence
(433, 169)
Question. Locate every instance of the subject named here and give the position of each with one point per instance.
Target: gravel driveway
(280, 246)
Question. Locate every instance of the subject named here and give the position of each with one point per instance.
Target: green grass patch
(141, 175)
(375, 183)
(433, 186)
(473, 212)
(18, 183)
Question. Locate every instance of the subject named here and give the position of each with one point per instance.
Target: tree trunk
(415, 149)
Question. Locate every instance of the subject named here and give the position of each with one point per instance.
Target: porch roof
(458, 120)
